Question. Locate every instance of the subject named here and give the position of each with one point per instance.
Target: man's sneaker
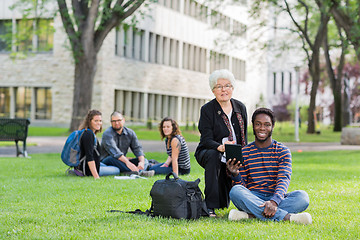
(149, 173)
(302, 218)
(236, 215)
(129, 173)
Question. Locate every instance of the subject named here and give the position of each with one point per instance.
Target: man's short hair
(264, 111)
(116, 113)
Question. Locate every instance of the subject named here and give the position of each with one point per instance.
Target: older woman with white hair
(222, 121)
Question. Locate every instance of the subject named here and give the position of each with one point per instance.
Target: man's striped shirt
(266, 170)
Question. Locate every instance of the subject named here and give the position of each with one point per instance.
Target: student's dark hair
(89, 116)
(264, 111)
(175, 126)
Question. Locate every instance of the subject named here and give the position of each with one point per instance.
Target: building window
(282, 82)
(174, 53)
(24, 35)
(218, 61)
(4, 102)
(274, 83)
(125, 42)
(137, 46)
(195, 10)
(290, 82)
(239, 29)
(194, 58)
(22, 102)
(5, 35)
(152, 47)
(172, 4)
(36, 35)
(220, 21)
(159, 49)
(43, 103)
(238, 69)
(29, 102)
(141, 107)
(45, 33)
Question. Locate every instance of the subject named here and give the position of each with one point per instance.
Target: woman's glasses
(226, 87)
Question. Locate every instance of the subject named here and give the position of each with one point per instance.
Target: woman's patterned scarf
(241, 123)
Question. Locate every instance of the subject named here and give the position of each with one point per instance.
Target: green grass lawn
(38, 201)
(283, 132)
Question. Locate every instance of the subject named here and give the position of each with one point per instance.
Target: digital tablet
(234, 151)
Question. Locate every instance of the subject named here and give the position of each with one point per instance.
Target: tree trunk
(311, 110)
(314, 69)
(346, 111)
(335, 80)
(338, 111)
(85, 69)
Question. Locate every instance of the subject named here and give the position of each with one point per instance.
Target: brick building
(160, 68)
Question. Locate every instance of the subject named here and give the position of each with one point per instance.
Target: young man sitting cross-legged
(261, 183)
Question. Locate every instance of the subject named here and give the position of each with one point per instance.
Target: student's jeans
(249, 201)
(160, 170)
(106, 170)
(166, 170)
(111, 161)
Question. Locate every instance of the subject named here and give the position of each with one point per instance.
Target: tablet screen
(233, 151)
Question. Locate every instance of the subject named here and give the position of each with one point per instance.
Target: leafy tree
(335, 78)
(310, 19)
(346, 14)
(87, 23)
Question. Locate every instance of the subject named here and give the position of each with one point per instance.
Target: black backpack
(177, 198)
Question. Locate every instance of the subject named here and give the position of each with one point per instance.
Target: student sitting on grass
(116, 141)
(178, 160)
(261, 183)
(92, 165)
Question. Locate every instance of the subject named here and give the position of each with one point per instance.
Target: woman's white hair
(221, 73)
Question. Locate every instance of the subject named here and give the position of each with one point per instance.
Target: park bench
(15, 129)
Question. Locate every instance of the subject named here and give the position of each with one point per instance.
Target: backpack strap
(193, 209)
(137, 211)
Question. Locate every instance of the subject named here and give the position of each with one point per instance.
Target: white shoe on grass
(236, 215)
(302, 218)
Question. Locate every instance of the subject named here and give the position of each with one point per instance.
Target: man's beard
(262, 140)
(117, 129)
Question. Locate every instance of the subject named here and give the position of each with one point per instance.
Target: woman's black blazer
(213, 128)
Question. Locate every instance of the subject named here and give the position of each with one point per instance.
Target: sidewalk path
(55, 144)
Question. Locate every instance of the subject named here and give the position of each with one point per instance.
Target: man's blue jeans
(106, 170)
(249, 201)
(111, 161)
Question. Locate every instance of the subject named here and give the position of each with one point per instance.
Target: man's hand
(233, 167)
(270, 208)
(129, 164)
(132, 166)
(141, 165)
